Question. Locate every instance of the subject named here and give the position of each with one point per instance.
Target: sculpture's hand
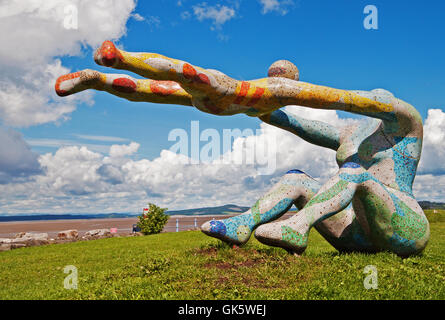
(108, 55)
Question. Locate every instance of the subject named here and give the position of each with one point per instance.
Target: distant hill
(432, 205)
(226, 209)
(222, 210)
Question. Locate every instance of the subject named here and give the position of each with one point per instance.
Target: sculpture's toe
(107, 55)
(222, 229)
(206, 227)
(278, 234)
(215, 228)
(268, 234)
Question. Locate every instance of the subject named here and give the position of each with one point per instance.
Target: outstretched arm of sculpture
(264, 95)
(123, 86)
(214, 92)
(313, 131)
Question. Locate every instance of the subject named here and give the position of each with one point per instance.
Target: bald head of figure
(284, 69)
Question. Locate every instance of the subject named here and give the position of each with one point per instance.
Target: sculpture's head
(284, 69)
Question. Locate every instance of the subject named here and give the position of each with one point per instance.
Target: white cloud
(31, 100)
(118, 151)
(430, 187)
(34, 34)
(17, 161)
(279, 6)
(77, 179)
(218, 14)
(433, 153)
(137, 17)
(100, 138)
(58, 143)
(186, 15)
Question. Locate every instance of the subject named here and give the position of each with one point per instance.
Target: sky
(94, 152)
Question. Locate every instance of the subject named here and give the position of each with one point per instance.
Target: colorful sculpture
(367, 206)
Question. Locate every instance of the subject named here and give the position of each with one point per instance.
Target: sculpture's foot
(284, 235)
(235, 230)
(76, 82)
(107, 55)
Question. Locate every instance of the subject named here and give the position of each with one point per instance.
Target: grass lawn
(190, 265)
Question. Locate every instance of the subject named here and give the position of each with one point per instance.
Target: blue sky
(94, 152)
(325, 39)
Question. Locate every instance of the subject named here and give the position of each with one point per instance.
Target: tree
(153, 221)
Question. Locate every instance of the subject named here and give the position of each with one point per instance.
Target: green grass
(190, 265)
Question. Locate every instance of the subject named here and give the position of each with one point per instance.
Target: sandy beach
(123, 225)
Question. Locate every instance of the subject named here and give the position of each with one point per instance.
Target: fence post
(196, 223)
(177, 225)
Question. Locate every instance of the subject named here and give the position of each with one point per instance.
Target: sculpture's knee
(352, 168)
(302, 185)
(296, 175)
(296, 171)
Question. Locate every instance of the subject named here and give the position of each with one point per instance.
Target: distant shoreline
(37, 218)
(228, 209)
(123, 225)
(9, 229)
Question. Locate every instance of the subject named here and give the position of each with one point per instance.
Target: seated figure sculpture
(368, 206)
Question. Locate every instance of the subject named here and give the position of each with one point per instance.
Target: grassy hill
(190, 265)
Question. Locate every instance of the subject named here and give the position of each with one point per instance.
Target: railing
(193, 223)
(182, 224)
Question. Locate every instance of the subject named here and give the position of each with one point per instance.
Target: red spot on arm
(188, 71)
(202, 78)
(124, 85)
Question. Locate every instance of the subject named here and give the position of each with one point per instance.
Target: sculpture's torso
(390, 151)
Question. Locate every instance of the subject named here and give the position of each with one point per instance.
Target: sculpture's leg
(396, 221)
(123, 86)
(294, 187)
(343, 230)
(333, 197)
(155, 66)
(393, 219)
(346, 231)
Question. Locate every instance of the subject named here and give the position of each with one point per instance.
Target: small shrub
(154, 221)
